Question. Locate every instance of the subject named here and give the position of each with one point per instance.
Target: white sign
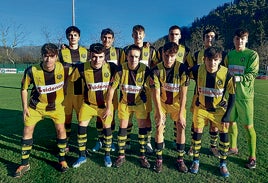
(8, 70)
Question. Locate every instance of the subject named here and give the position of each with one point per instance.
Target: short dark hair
(208, 31)
(138, 28)
(107, 31)
(50, 49)
(70, 29)
(133, 47)
(170, 47)
(174, 27)
(213, 52)
(96, 48)
(241, 32)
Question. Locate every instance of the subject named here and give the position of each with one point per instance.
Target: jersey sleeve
(27, 78)
(154, 78)
(230, 84)
(183, 70)
(117, 78)
(155, 60)
(159, 54)
(252, 70)
(113, 68)
(193, 72)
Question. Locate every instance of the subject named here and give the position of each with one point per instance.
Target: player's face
(212, 64)
(133, 59)
(107, 40)
(138, 37)
(240, 42)
(169, 59)
(209, 39)
(49, 61)
(97, 60)
(73, 38)
(174, 36)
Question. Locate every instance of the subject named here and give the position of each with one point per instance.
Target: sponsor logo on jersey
(236, 69)
(98, 86)
(50, 88)
(171, 87)
(242, 59)
(210, 92)
(113, 61)
(145, 62)
(131, 89)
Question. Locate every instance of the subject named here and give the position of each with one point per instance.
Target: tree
(11, 37)
(57, 38)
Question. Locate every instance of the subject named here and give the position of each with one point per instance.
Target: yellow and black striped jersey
(48, 87)
(115, 55)
(169, 80)
(132, 84)
(211, 87)
(97, 82)
(148, 55)
(71, 58)
(198, 58)
(182, 54)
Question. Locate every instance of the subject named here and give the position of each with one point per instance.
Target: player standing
(117, 56)
(244, 64)
(148, 57)
(72, 55)
(212, 82)
(48, 78)
(183, 55)
(169, 87)
(97, 74)
(131, 78)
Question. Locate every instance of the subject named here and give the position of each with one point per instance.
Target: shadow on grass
(45, 141)
(44, 138)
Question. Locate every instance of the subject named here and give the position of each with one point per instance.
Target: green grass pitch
(43, 157)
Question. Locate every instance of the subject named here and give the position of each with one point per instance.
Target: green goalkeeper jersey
(244, 64)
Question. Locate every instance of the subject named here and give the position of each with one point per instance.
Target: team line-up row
(74, 78)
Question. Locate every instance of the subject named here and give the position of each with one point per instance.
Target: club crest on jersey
(139, 80)
(39, 80)
(83, 55)
(106, 74)
(219, 82)
(146, 54)
(242, 59)
(59, 76)
(180, 54)
(113, 54)
(66, 58)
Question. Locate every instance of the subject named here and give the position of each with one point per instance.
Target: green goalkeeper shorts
(242, 112)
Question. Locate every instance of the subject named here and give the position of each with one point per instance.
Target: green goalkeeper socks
(252, 142)
(233, 133)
